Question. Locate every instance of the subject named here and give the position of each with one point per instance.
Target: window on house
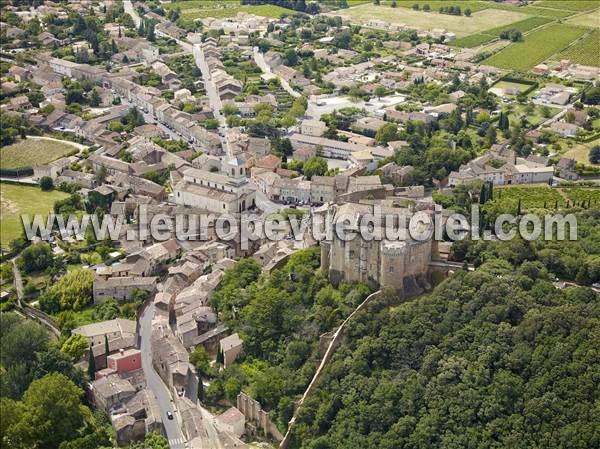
(391, 269)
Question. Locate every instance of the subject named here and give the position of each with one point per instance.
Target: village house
(230, 347)
(117, 329)
(232, 421)
(122, 287)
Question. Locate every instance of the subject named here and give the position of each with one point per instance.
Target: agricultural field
(570, 5)
(34, 151)
(195, 4)
(536, 47)
(584, 51)
(201, 12)
(19, 199)
(435, 5)
(538, 196)
(474, 40)
(531, 196)
(482, 38)
(580, 194)
(591, 20)
(460, 25)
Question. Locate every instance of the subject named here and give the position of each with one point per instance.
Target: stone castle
(401, 264)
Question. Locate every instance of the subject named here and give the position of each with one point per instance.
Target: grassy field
(30, 152)
(591, 19)
(272, 11)
(503, 84)
(461, 25)
(435, 5)
(18, 199)
(476, 40)
(537, 47)
(570, 5)
(581, 151)
(534, 118)
(585, 51)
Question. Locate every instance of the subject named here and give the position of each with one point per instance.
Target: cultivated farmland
(34, 151)
(570, 5)
(537, 47)
(460, 25)
(591, 19)
(481, 38)
(584, 51)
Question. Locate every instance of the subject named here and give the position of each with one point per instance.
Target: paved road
(129, 9)
(260, 61)
(266, 205)
(213, 96)
(155, 383)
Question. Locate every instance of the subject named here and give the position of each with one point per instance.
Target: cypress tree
(519, 207)
(91, 364)
(106, 349)
(200, 389)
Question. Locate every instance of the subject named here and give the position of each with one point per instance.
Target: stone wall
(253, 411)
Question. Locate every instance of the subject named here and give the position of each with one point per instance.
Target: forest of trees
(280, 318)
(495, 358)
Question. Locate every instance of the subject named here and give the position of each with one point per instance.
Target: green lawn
(580, 152)
(584, 51)
(30, 152)
(536, 48)
(18, 199)
(534, 118)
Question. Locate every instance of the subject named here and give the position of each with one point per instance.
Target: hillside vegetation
(497, 358)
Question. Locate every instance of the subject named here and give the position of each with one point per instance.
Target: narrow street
(155, 384)
(213, 96)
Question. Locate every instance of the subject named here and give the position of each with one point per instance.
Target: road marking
(176, 441)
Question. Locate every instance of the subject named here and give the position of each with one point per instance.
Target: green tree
(92, 364)
(291, 57)
(51, 413)
(36, 257)
(315, 166)
(200, 359)
(73, 291)
(387, 133)
(95, 99)
(75, 346)
(46, 183)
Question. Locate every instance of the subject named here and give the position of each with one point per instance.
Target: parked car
(169, 415)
